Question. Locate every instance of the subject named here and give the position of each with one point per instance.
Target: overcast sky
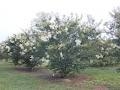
(16, 15)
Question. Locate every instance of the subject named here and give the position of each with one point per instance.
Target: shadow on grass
(45, 74)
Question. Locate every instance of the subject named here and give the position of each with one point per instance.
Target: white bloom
(78, 42)
(102, 48)
(31, 44)
(66, 29)
(31, 58)
(27, 44)
(8, 48)
(102, 41)
(115, 46)
(47, 56)
(91, 61)
(61, 45)
(21, 46)
(25, 50)
(99, 56)
(52, 20)
(34, 47)
(22, 53)
(61, 55)
(51, 26)
(11, 41)
(33, 41)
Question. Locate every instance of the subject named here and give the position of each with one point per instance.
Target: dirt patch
(26, 69)
(41, 73)
(78, 80)
(73, 81)
(101, 87)
(46, 74)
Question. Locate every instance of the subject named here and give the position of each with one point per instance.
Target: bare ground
(48, 75)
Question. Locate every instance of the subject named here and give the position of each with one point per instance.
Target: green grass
(14, 80)
(106, 76)
(10, 79)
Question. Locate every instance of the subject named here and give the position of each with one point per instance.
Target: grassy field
(105, 76)
(100, 79)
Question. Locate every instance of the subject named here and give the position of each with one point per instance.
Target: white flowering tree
(13, 43)
(4, 51)
(114, 30)
(26, 48)
(33, 49)
(104, 53)
(69, 41)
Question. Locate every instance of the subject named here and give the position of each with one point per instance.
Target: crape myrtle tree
(114, 27)
(1, 51)
(26, 48)
(70, 41)
(104, 53)
(4, 51)
(33, 49)
(14, 44)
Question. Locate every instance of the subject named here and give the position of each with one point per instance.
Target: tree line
(65, 44)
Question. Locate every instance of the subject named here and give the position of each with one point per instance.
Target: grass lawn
(11, 79)
(106, 76)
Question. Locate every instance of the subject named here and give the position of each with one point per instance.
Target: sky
(16, 15)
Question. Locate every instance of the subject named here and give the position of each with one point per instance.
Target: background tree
(114, 27)
(26, 48)
(14, 44)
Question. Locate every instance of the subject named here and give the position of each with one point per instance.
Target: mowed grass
(104, 76)
(10, 79)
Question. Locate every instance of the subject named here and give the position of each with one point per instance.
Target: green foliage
(66, 42)
(69, 41)
(15, 49)
(104, 53)
(4, 51)
(26, 48)
(103, 76)
(114, 28)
